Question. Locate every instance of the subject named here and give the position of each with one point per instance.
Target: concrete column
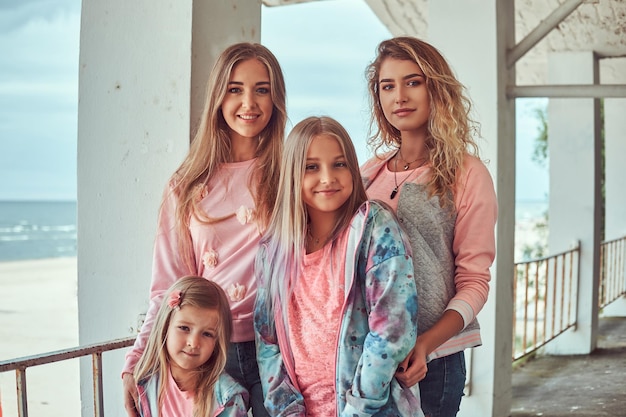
(575, 199)
(477, 57)
(613, 71)
(143, 68)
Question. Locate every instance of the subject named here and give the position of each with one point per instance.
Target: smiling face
(404, 97)
(247, 106)
(191, 338)
(327, 182)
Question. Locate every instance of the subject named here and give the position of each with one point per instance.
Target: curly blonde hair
(451, 130)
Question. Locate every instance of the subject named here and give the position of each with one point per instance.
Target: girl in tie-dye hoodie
(336, 308)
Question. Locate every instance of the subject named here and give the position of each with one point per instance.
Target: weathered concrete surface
(583, 386)
(598, 26)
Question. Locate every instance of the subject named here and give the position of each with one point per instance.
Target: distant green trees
(540, 152)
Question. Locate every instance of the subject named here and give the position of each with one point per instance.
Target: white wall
(613, 71)
(574, 211)
(139, 91)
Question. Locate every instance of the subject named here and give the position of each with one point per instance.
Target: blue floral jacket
(378, 327)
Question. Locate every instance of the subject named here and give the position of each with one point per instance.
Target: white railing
(544, 293)
(612, 271)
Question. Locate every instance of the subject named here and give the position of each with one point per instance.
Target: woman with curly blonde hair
(426, 167)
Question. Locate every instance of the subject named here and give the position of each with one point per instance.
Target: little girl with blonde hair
(180, 373)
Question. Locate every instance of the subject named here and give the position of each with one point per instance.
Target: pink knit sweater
(224, 251)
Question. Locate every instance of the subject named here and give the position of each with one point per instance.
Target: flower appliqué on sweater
(244, 215)
(236, 292)
(210, 259)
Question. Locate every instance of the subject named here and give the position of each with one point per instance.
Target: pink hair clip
(174, 301)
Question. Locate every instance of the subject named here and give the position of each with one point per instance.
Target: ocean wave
(37, 229)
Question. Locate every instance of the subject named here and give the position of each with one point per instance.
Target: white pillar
(477, 56)
(613, 71)
(143, 68)
(574, 213)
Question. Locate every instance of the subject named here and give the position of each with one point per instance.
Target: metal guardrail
(545, 300)
(612, 271)
(19, 365)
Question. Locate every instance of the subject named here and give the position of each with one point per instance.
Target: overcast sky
(39, 40)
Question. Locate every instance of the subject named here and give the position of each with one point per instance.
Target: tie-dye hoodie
(378, 327)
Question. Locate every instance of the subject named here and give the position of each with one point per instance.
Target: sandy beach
(39, 313)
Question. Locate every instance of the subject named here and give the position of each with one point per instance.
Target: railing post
(98, 400)
(20, 381)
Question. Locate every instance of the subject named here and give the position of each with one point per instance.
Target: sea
(47, 229)
(37, 230)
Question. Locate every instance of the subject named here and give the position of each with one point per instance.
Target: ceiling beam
(271, 3)
(543, 28)
(568, 91)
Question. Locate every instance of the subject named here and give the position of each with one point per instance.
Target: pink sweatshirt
(224, 251)
(452, 252)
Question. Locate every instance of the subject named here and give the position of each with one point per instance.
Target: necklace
(395, 176)
(315, 241)
(407, 164)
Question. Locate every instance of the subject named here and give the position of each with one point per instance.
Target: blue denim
(442, 389)
(242, 366)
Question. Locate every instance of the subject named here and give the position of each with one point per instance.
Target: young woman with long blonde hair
(218, 202)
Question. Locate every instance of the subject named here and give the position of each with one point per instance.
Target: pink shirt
(176, 403)
(314, 316)
(387, 180)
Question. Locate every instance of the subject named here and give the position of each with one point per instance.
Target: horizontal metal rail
(19, 365)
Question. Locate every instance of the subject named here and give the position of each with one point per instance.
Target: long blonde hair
(450, 127)
(211, 146)
(201, 293)
(286, 233)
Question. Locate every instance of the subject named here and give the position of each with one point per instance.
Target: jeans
(242, 366)
(442, 389)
